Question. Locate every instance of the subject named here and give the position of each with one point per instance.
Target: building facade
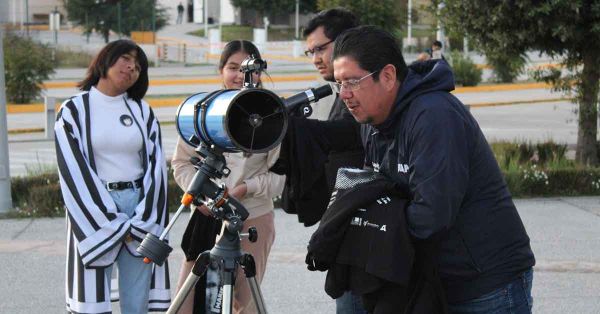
(19, 12)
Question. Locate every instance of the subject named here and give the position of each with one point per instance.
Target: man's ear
(388, 76)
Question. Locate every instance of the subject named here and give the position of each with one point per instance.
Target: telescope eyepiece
(253, 64)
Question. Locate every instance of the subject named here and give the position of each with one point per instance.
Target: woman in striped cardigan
(113, 181)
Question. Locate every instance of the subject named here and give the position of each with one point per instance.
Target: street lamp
(54, 21)
(439, 35)
(298, 17)
(5, 195)
(409, 26)
(27, 16)
(206, 18)
(154, 18)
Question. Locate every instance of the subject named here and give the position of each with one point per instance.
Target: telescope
(251, 120)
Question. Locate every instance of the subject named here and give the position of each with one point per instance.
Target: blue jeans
(514, 298)
(349, 303)
(134, 274)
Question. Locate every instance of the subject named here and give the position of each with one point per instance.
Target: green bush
(465, 70)
(512, 156)
(174, 194)
(37, 196)
(506, 68)
(551, 152)
(27, 64)
(535, 181)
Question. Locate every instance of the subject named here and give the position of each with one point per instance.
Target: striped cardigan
(95, 228)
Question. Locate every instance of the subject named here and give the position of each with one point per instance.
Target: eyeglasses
(317, 50)
(350, 85)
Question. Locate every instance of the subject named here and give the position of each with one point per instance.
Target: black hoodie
(457, 189)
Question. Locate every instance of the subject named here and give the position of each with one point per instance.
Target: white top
(116, 137)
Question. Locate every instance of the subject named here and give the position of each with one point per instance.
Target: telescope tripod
(227, 251)
(227, 254)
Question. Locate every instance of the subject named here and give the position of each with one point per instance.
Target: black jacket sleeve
(338, 135)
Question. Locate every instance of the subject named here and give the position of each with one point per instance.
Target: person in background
(180, 10)
(250, 182)
(114, 187)
(436, 50)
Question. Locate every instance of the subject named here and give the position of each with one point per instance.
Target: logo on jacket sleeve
(356, 221)
(402, 168)
(375, 167)
(384, 200)
(360, 222)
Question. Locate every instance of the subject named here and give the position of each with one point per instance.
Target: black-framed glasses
(317, 50)
(350, 85)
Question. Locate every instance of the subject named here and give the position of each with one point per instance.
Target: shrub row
(40, 195)
(533, 181)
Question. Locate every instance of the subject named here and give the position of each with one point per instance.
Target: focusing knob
(306, 110)
(252, 234)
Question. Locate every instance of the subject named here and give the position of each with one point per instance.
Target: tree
(387, 14)
(26, 66)
(102, 16)
(566, 30)
(269, 7)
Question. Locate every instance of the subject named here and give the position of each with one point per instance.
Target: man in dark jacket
(306, 158)
(413, 125)
(320, 34)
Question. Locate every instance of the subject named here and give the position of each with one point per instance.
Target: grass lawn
(233, 32)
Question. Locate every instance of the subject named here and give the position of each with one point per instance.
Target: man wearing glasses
(320, 34)
(422, 137)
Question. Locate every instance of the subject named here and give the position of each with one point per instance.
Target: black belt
(111, 186)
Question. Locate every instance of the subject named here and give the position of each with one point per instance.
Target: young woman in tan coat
(250, 182)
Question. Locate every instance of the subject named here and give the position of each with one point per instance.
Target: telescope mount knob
(252, 234)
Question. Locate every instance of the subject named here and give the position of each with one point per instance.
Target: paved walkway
(564, 232)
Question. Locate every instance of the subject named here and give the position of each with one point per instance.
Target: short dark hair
(372, 48)
(107, 57)
(437, 43)
(334, 21)
(236, 46)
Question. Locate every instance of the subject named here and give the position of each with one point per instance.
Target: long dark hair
(236, 46)
(107, 57)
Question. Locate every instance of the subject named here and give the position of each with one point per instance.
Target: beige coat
(253, 170)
